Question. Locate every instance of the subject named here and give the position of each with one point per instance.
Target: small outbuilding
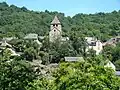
(74, 59)
(110, 65)
(31, 36)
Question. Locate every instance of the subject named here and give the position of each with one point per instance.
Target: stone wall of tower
(58, 27)
(54, 35)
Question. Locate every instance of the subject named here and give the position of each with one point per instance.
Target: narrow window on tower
(56, 25)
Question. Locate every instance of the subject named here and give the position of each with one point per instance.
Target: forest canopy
(15, 21)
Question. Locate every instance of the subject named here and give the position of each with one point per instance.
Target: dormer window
(56, 25)
(54, 30)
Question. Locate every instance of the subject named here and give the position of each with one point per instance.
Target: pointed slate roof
(55, 20)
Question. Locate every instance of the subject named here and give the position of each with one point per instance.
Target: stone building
(55, 30)
(94, 44)
(112, 41)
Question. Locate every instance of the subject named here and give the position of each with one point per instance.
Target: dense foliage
(14, 74)
(85, 75)
(15, 21)
(113, 54)
(17, 74)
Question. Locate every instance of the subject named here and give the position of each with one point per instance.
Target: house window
(54, 30)
(54, 25)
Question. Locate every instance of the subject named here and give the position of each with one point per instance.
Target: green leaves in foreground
(83, 76)
(15, 75)
(78, 76)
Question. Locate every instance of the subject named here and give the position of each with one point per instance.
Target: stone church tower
(55, 30)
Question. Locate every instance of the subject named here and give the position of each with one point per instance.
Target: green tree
(58, 50)
(40, 84)
(14, 74)
(85, 76)
(30, 53)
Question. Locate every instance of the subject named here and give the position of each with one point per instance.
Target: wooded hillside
(17, 21)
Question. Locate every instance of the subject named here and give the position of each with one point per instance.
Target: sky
(69, 7)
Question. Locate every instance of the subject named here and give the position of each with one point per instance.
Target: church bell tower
(55, 30)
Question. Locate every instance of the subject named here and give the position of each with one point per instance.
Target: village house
(112, 41)
(110, 65)
(8, 39)
(93, 43)
(34, 37)
(4, 45)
